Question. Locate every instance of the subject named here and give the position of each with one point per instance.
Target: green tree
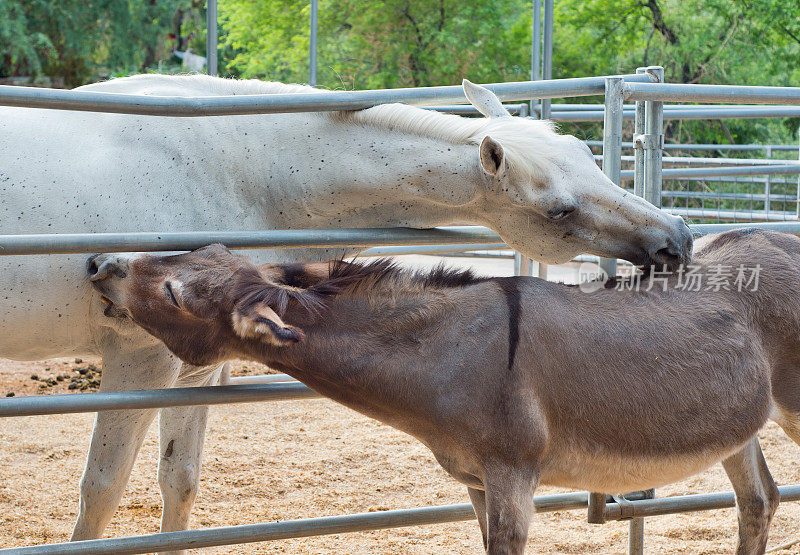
(77, 41)
(364, 44)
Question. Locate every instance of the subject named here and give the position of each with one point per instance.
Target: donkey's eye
(171, 294)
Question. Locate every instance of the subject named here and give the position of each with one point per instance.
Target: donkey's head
(207, 306)
(547, 198)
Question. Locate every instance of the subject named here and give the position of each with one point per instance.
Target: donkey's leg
(118, 435)
(509, 508)
(757, 496)
(478, 499)
(182, 435)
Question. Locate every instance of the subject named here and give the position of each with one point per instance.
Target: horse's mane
(528, 144)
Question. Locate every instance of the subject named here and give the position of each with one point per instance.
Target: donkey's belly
(608, 472)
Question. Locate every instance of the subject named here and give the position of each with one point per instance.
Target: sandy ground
(288, 460)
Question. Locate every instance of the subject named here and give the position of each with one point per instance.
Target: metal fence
(644, 87)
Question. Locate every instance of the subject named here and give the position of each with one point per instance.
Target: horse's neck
(323, 173)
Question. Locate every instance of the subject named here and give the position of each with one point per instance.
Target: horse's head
(206, 306)
(547, 198)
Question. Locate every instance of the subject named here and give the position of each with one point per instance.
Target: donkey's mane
(345, 278)
(352, 278)
(528, 144)
(360, 275)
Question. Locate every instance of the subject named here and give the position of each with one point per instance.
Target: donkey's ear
(484, 100)
(260, 322)
(493, 159)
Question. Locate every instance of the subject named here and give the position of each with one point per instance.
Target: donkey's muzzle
(104, 272)
(102, 266)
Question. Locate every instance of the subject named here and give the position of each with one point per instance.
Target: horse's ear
(484, 100)
(493, 159)
(259, 321)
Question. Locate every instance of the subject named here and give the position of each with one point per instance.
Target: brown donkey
(512, 382)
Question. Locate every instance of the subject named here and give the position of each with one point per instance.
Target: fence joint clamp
(649, 141)
(625, 507)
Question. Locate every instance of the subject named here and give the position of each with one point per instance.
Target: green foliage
(364, 44)
(73, 42)
(398, 43)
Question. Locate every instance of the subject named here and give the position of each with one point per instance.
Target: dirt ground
(299, 459)
(287, 460)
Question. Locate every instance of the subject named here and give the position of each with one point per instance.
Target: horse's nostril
(667, 256)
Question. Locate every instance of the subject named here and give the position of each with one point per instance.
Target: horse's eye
(170, 293)
(560, 213)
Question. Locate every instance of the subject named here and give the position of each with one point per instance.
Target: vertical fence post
(312, 45)
(211, 37)
(767, 186)
(536, 50)
(638, 145)
(653, 142)
(612, 146)
(547, 65)
(636, 530)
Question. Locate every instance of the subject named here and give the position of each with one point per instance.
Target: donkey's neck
(373, 354)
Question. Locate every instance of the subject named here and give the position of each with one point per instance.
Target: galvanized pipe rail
(317, 101)
(777, 169)
(707, 113)
(270, 531)
(723, 94)
(712, 161)
(443, 238)
(273, 239)
(698, 146)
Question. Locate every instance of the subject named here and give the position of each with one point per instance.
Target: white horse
(391, 165)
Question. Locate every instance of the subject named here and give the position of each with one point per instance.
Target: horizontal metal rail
(704, 195)
(69, 403)
(716, 161)
(270, 531)
(476, 236)
(317, 101)
(783, 169)
(271, 239)
(696, 146)
(725, 94)
(741, 215)
(361, 522)
(667, 107)
(687, 503)
(707, 113)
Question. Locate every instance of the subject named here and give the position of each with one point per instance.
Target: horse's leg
(509, 508)
(757, 496)
(118, 435)
(478, 499)
(182, 431)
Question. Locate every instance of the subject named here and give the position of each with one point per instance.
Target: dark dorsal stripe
(510, 287)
